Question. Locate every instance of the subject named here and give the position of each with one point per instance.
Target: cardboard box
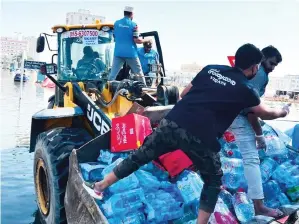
(128, 132)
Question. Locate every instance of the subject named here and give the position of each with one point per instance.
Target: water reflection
(15, 114)
(18, 203)
(17, 188)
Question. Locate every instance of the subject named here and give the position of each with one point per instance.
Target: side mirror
(40, 44)
(48, 69)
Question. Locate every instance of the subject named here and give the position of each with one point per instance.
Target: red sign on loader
(231, 60)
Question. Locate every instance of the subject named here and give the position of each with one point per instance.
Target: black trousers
(169, 137)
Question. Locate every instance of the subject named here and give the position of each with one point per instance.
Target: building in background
(286, 85)
(13, 47)
(184, 76)
(31, 48)
(83, 17)
(194, 67)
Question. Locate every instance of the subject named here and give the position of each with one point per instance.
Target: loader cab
(85, 54)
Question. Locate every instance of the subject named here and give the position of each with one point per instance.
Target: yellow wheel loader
(77, 121)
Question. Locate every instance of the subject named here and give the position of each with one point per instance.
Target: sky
(205, 32)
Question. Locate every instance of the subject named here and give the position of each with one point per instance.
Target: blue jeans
(118, 63)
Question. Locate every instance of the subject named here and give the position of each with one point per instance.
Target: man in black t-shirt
(212, 101)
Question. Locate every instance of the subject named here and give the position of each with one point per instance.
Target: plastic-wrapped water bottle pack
(279, 169)
(147, 195)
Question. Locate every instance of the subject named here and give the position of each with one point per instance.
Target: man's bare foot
(261, 209)
(274, 213)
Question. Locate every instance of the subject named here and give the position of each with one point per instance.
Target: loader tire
(51, 167)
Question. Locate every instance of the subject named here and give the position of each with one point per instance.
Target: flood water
(18, 203)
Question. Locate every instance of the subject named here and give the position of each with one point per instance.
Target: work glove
(260, 142)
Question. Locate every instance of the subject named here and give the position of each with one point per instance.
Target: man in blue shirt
(147, 56)
(249, 136)
(126, 37)
(212, 101)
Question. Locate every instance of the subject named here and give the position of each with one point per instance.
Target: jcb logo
(97, 120)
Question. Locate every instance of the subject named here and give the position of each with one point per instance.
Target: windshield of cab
(85, 54)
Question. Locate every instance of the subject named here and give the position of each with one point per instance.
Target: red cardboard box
(128, 132)
(175, 162)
